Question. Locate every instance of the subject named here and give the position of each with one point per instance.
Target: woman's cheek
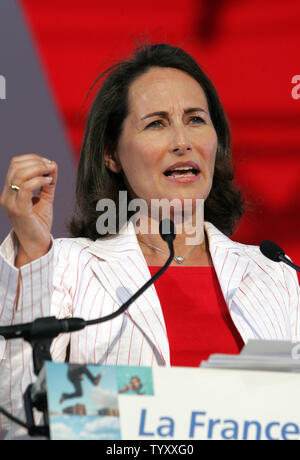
(210, 150)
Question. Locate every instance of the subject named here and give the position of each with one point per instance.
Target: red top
(197, 318)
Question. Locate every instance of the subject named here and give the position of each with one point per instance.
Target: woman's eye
(197, 120)
(155, 124)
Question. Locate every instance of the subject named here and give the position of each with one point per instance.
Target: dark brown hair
(224, 205)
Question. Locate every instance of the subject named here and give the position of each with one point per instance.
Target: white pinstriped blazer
(82, 278)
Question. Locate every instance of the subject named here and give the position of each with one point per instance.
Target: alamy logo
(296, 351)
(296, 88)
(188, 216)
(2, 87)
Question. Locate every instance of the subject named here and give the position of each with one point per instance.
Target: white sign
(198, 404)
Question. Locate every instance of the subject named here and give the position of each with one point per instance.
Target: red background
(250, 50)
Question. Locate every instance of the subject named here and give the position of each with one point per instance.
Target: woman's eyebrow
(194, 109)
(164, 114)
(156, 114)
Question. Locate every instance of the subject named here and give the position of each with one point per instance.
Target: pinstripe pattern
(92, 279)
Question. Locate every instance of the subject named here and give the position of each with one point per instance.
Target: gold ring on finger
(14, 187)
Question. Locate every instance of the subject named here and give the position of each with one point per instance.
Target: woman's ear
(112, 163)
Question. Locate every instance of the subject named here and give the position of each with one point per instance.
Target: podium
(251, 396)
(167, 404)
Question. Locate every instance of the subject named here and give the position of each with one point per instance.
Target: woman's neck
(192, 247)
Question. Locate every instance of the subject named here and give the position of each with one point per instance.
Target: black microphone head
(167, 230)
(271, 250)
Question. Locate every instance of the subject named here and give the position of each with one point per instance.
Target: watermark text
(187, 215)
(296, 352)
(296, 88)
(2, 88)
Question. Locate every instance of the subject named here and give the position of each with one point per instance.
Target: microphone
(41, 327)
(46, 329)
(274, 252)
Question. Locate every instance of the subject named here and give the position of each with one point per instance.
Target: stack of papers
(268, 355)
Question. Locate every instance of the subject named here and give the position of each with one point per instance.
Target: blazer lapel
(230, 262)
(122, 270)
(251, 293)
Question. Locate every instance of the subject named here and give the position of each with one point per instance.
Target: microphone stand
(284, 259)
(41, 332)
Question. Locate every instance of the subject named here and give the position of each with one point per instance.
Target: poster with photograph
(83, 399)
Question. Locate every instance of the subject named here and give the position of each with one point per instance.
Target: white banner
(214, 404)
(141, 403)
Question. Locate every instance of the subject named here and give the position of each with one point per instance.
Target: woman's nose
(181, 149)
(180, 144)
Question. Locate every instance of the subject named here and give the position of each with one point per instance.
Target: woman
(156, 130)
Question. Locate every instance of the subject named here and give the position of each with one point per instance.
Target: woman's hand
(31, 215)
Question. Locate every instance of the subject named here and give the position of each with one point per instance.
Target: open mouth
(182, 171)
